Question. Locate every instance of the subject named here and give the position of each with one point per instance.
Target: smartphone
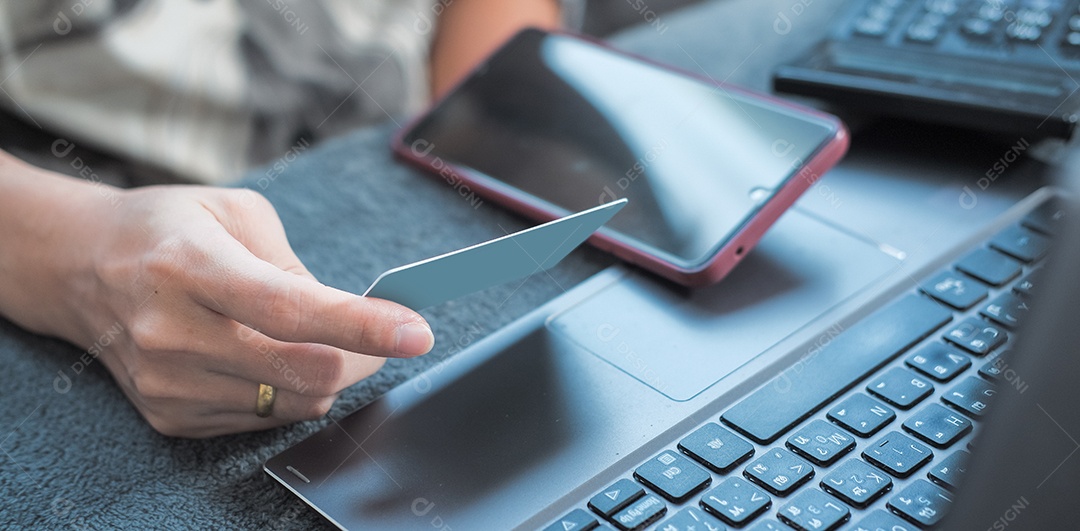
(553, 123)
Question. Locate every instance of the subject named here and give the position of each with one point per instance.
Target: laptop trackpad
(679, 342)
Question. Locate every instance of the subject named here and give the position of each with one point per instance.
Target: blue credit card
(514, 256)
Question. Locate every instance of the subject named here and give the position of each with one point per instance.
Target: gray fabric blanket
(81, 457)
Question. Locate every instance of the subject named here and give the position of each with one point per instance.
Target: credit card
(511, 257)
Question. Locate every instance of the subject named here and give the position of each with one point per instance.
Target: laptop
(862, 369)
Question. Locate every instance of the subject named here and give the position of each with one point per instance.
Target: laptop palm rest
(483, 441)
(681, 342)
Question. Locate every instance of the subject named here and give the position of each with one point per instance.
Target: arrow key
(616, 497)
(577, 520)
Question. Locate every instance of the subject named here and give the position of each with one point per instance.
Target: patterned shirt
(209, 88)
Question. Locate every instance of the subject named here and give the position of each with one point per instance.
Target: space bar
(821, 376)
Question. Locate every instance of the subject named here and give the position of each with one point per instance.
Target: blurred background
(28, 142)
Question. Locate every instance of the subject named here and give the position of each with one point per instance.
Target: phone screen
(574, 125)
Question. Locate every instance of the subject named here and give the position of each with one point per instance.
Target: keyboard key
(989, 266)
(977, 28)
(716, 447)
(800, 391)
(691, 519)
(871, 27)
(821, 442)
(856, 482)
(950, 472)
(900, 387)
(922, 503)
(972, 396)
(577, 520)
(1020, 243)
(779, 471)
(898, 454)
(939, 361)
(1049, 217)
(862, 415)
(736, 501)
(813, 510)
(956, 290)
(673, 476)
(768, 525)
(1035, 16)
(1026, 285)
(640, 514)
(882, 521)
(616, 497)
(995, 366)
(1007, 309)
(937, 425)
(976, 336)
(1028, 33)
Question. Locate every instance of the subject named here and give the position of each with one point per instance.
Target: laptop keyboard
(870, 429)
(1009, 61)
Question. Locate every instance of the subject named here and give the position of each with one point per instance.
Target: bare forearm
(37, 243)
(471, 29)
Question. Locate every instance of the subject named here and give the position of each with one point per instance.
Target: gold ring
(264, 405)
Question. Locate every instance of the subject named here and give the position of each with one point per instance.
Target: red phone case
(731, 251)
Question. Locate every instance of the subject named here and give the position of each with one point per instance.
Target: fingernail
(414, 339)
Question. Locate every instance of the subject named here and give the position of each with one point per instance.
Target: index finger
(294, 308)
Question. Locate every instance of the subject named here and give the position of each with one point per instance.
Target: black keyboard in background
(871, 431)
(1008, 66)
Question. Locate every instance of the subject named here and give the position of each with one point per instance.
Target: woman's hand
(208, 298)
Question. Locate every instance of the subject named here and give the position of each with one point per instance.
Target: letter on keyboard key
(716, 447)
(900, 387)
(675, 477)
(955, 289)
(862, 415)
(736, 501)
(640, 514)
(950, 472)
(821, 442)
(938, 425)
(972, 396)
(779, 471)
(813, 510)
(857, 482)
(976, 336)
(939, 361)
(818, 378)
(898, 454)
(922, 503)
